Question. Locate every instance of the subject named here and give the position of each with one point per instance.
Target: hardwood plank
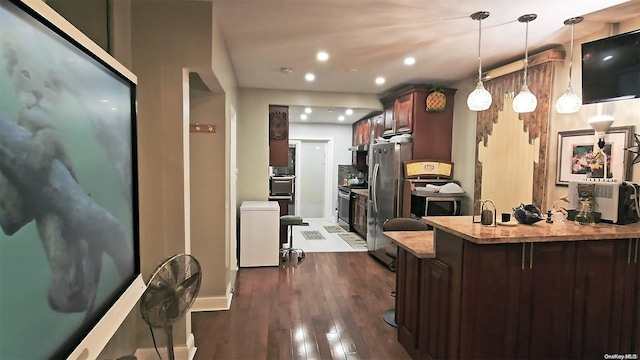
(328, 307)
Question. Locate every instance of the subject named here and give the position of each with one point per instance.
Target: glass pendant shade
(525, 101)
(569, 102)
(479, 99)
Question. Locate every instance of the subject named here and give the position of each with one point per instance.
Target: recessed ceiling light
(380, 80)
(286, 70)
(309, 77)
(303, 116)
(104, 100)
(322, 56)
(409, 60)
(349, 112)
(307, 110)
(341, 118)
(608, 57)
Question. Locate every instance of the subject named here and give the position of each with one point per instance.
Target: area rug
(334, 229)
(312, 235)
(354, 240)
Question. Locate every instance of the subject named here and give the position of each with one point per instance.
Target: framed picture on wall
(576, 154)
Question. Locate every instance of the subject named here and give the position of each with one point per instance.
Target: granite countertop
(364, 192)
(463, 227)
(418, 243)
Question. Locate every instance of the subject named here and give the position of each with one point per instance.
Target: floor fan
(171, 291)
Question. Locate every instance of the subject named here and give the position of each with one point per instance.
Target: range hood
(363, 147)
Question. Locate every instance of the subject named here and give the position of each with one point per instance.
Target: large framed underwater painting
(68, 183)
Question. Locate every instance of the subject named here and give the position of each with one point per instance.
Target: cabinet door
(377, 126)
(407, 301)
(631, 296)
(434, 309)
(403, 114)
(491, 295)
(546, 300)
(388, 121)
(354, 134)
(599, 298)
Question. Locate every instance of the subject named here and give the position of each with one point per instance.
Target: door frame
(328, 189)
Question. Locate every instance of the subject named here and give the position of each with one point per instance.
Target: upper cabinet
(278, 136)
(405, 111)
(361, 132)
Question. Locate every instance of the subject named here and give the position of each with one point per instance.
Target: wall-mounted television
(69, 238)
(611, 68)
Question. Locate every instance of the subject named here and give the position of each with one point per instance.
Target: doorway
(312, 160)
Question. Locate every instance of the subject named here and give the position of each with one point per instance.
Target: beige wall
(626, 112)
(253, 130)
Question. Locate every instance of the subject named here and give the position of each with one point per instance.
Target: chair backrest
(404, 224)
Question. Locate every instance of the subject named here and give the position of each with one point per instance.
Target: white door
(312, 178)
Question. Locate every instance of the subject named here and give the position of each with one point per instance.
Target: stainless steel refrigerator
(386, 175)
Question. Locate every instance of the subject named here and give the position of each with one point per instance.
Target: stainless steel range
(345, 199)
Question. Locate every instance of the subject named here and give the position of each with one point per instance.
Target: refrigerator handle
(374, 190)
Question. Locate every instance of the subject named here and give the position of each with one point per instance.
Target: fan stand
(168, 330)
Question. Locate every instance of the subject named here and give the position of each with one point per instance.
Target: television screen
(611, 68)
(68, 184)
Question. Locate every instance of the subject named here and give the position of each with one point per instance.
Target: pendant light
(480, 98)
(525, 101)
(570, 102)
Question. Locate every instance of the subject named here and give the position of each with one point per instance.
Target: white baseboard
(213, 303)
(187, 352)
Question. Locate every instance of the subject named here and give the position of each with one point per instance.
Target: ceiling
(367, 39)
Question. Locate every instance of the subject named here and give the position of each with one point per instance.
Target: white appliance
(615, 201)
(259, 233)
(385, 192)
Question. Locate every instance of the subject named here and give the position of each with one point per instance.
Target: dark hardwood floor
(328, 307)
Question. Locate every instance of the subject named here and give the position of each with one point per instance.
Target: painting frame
(568, 141)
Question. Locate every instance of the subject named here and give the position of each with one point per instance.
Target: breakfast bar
(541, 291)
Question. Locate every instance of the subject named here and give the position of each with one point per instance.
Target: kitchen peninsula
(528, 291)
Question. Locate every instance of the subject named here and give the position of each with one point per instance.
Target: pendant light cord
(479, 46)
(526, 52)
(571, 55)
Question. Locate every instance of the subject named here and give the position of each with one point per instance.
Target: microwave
(617, 202)
(435, 205)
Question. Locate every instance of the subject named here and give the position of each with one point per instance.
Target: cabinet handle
(531, 257)
(637, 252)
(631, 241)
(522, 261)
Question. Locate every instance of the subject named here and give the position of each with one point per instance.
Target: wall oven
(344, 208)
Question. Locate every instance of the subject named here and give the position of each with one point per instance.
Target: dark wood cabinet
(542, 300)
(422, 305)
(359, 214)
(377, 126)
(606, 298)
(361, 132)
(405, 112)
(278, 135)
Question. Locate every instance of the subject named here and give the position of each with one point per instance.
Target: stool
(290, 221)
(398, 224)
